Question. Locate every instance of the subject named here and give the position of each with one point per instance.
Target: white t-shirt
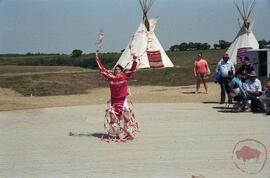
(251, 86)
(223, 68)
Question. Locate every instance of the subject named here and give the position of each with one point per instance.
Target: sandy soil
(10, 100)
(182, 134)
(176, 140)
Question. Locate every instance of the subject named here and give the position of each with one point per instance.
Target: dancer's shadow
(85, 134)
(192, 93)
(188, 92)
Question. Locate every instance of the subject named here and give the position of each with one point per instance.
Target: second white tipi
(145, 44)
(245, 38)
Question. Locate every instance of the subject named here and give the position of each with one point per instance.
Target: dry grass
(60, 80)
(85, 86)
(11, 100)
(9, 70)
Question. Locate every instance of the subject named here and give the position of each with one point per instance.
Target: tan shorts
(202, 76)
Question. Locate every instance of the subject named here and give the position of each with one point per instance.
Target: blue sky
(59, 26)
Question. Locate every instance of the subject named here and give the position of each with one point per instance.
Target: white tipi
(145, 44)
(245, 38)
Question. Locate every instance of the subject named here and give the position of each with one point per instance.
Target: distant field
(25, 59)
(61, 80)
(85, 61)
(16, 70)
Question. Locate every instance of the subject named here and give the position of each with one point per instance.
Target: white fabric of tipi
(244, 39)
(147, 48)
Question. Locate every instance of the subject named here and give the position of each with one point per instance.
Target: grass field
(61, 80)
(85, 61)
(24, 70)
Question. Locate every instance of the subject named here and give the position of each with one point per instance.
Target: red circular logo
(250, 156)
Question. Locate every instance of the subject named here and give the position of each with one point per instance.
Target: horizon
(60, 26)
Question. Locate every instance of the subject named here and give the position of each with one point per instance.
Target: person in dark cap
(246, 68)
(253, 88)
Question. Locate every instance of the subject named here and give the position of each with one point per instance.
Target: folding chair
(239, 103)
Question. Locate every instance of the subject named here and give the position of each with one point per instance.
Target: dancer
(120, 122)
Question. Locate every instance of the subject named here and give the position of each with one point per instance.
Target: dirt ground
(11, 100)
(182, 134)
(176, 140)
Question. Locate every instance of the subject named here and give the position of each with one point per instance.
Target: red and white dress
(118, 84)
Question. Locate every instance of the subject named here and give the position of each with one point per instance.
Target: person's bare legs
(205, 85)
(198, 83)
(125, 115)
(113, 117)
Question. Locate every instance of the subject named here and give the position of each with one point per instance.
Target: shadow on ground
(210, 102)
(188, 93)
(85, 134)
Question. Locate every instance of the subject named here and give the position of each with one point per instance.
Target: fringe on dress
(119, 131)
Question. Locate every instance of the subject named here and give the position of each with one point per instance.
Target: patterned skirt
(122, 129)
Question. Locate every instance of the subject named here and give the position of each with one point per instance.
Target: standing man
(223, 67)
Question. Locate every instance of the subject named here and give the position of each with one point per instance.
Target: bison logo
(247, 153)
(250, 156)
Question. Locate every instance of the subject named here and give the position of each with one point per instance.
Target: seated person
(237, 90)
(253, 90)
(265, 99)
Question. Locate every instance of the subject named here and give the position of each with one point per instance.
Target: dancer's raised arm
(103, 71)
(133, 69)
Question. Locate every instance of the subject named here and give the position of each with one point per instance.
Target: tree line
(190, 46)
(264, 44)
(222, 44)
(84, 60)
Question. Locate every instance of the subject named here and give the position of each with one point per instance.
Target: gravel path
(176, 140)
